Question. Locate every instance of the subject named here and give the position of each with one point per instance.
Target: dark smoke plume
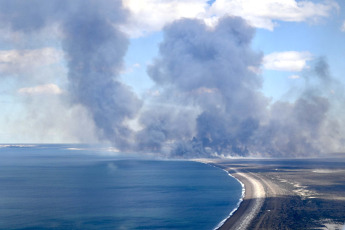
(211, 70)
(210, 100)
(94, 49)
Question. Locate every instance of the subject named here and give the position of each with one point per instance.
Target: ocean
(92, 187)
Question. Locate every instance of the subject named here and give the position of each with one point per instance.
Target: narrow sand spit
(251, 204)
(252, 201)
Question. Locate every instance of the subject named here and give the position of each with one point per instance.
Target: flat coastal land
(288, 194)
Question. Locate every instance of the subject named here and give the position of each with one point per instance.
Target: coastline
(253, 195)
(287, 193)
(250, 205)
(238, 203)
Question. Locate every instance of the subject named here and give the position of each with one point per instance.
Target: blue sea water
(88, 187)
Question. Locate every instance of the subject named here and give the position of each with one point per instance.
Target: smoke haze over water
(94, 49)
(210, 101)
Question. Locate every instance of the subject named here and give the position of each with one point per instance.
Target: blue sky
(34, 87)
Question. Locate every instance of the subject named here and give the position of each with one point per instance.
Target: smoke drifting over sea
(94, 50)
(210, 102)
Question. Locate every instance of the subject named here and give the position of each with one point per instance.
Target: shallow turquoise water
(52, 187)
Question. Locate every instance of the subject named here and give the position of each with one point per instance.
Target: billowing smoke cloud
(212, 70)
(210, 100)
(303, 127)
(294, 128)
(94, 49)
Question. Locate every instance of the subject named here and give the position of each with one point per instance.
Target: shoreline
(253, 195)
(238, 203)
(250, 205)
(286, 194)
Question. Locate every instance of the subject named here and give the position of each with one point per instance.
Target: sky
(148, 74)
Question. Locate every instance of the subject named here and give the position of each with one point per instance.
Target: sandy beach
(251, 204)
(287, 194)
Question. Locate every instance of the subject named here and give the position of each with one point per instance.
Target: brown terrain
(288, 194)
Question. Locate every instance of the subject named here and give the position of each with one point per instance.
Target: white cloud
(153, 15)
(22, 61)
(41, 89)
(264, 13)
(287, 61)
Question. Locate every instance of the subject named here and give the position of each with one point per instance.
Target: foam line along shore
(252, 197)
